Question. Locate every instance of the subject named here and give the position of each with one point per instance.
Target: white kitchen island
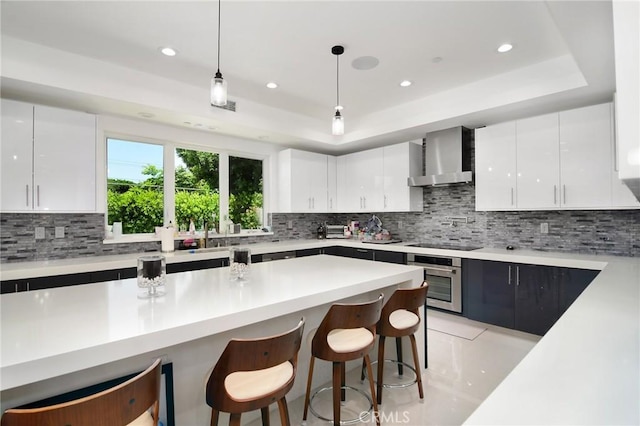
(61, 339)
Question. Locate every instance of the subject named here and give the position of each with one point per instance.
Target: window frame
(169, 152)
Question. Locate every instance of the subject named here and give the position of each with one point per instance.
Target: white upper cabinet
(586, 157)
(361, 181)
(332, 183)
(54, 165)
(17, 156)
(563, 161)
(538, 162)
(303, 181)
(375, 180)
(496, 167)
(399, 162)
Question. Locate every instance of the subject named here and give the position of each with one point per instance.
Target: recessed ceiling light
(146, 114)
(405, 83)
(436, 59)
(505, 48)
(272, 85)
(212, 128)
(188, 123)
(167, 51)
(263, 137)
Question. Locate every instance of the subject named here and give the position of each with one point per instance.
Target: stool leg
(264, 411)
(416, 364)
(372, 388)
(399, 355)
(343, 381)
(214, 417)
(284, 412)
(234, 419)
(307, 395)
(337, 379)
(362, 370)
(380, 367)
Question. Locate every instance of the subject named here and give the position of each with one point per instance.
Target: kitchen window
(196, 180)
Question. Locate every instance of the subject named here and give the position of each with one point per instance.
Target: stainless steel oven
(444, 275)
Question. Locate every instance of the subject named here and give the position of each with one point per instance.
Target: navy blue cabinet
(524, 297)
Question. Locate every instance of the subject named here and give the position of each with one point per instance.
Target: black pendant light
(218, 84)
(337, 127)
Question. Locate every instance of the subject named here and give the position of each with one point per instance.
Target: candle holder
(152, 271)
(239, 263)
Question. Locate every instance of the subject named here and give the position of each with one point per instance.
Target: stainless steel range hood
(447, 158)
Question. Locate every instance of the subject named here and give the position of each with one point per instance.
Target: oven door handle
(432, 268)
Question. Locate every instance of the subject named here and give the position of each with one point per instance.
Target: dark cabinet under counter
(524, 297)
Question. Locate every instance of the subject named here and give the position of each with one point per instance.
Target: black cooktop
(444, 246)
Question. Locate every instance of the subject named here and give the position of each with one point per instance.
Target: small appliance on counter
(335, 231)
(321, 232)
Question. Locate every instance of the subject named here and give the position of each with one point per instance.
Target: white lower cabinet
(561, 161)
(48, 159)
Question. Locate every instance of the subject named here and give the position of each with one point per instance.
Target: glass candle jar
(239, 263)
(152, 271)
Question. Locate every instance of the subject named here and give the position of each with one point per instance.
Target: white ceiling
(562, 58)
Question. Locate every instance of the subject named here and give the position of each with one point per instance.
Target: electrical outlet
(59, 231)
(544, 228)
(39, 232)
(289, 224)
(399, 224)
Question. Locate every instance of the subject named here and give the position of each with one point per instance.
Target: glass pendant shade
(337, 127)
(218, 90)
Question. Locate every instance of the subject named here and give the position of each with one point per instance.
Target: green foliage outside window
(139, 206)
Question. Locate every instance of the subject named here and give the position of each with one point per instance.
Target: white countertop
(21, 270)
(47, 333)
(585, 370)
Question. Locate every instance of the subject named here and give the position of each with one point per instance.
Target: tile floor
(461, 374)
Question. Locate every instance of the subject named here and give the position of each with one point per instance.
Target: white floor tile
(461, 374)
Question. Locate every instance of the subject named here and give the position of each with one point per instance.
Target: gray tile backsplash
(84, 235)
(613, 232)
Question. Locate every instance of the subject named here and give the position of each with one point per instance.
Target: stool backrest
(410, 299)
(346, 316)
(252, 355)
(119, 405)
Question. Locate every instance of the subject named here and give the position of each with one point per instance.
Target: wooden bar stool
(125, 404)
(400, 317)
(251, 374)
(347, 332)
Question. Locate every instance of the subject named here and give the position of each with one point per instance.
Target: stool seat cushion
(402, 319)
(348, 340)
(249, 385)
(146, 419)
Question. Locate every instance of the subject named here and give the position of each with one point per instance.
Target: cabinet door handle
(555, 194)
(313, 202)
(512, 195)
(385, 201)
(564, 194)
(330, 203)
(38, 194)
(360, 202)
(27, 195)
(364, 202)
(509, 282)
(517, 275)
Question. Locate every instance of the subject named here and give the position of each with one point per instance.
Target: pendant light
(218, 84)
(337, 127)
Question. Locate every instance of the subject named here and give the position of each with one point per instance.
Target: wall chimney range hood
(447, 158)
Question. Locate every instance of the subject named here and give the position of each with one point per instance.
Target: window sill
(145, 238)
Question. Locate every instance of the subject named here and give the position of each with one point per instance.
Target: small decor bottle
(239, 263)
(152, 271)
